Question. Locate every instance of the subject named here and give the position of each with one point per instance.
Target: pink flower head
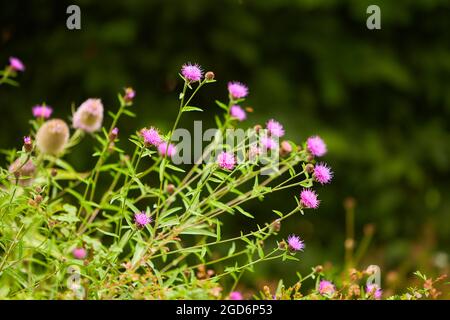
(142, 219)
(192, 72)
(275, 128)
(295, 243)
(151, 136)
(171, 150)
(237, 90)
(308, 198)
(115, 131)
(268, 143)
(42, 111)
(316, 146)
(16, 64)
(326, 288)
(226, 160)
(374, 290)
(238, 113)
(129, 94)
(89, 116)
(79, 253)
(236, 295)
(322, 173)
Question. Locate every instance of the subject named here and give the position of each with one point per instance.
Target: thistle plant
(149, 225)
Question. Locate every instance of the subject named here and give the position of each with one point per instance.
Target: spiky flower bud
(52, 137)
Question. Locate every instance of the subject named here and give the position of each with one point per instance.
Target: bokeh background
(380, 99)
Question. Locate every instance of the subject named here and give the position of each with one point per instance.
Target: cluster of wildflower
(154, 230)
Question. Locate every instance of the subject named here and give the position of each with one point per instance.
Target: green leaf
(221, 206)
(161, 169)
(218, 236)
(245, 213)
(138, 253)
(174, 168)
(191, 108)
(232, 249)
(198, 231)
(280, 214)
(222, 105)
(70, 209)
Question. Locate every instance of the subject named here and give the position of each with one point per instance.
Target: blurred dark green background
(381, 99)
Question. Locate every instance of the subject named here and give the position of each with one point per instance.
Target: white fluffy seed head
(89, 116)
(52, 137)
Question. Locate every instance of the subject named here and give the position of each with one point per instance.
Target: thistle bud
(209, 76)
(286, 148)
(27, 144)
(89, 116)
(318, 269)
(257, 128)
(113, 134)
(276, 225)
(52, 137)
(170, 188)
(129, 95)
(309, 168)
(38, 199)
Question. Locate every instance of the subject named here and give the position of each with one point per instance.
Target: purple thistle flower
(16, 64)
(295, 243)
(316, 146)
(322, 173)
(79, 253)
(275, 128)
(236, 295)
(42, 111)
(374, 290)
(308, 199)
(151, 136)
(237, 90)
(129, 94)
(192, 72)
(89, 116)
(326, 288)
(268, 143)
(226, 160)
(238, 113)
(142, 219)
(162, 148)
